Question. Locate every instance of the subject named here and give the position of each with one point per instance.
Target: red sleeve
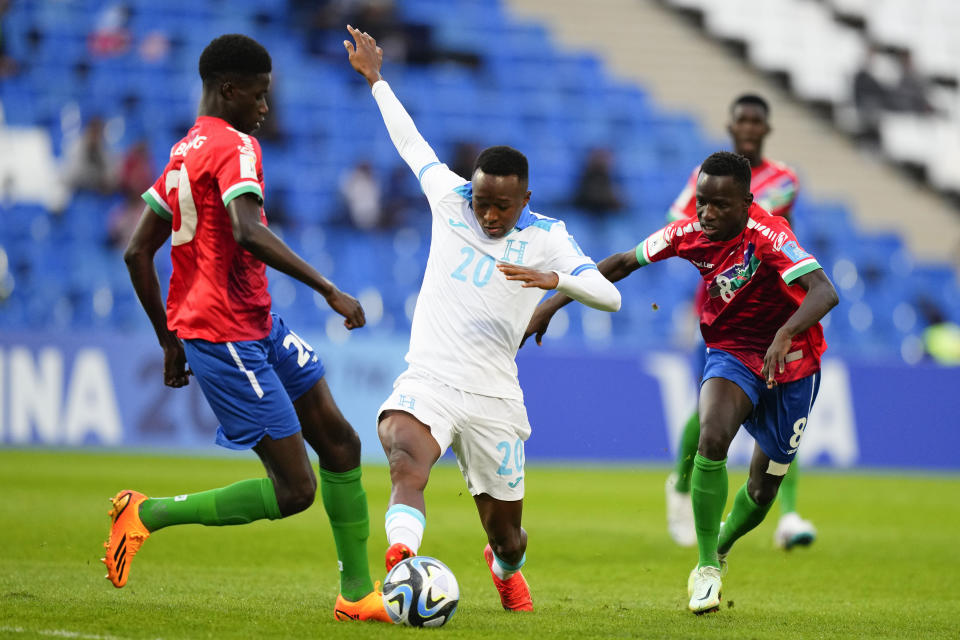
(661, 244)
(784, 253)
(237, 166)
(156, 195)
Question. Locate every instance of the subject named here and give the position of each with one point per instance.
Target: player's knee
(296, 497)
(713, 444)
(343, 439)
(762, 493)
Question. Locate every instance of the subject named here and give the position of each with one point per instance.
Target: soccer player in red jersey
(264, 383)
(774, 187)
(760, 322)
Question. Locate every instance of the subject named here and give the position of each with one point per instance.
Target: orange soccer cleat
(127, 533)
(514, 591)
(395, 553)
(370, 607)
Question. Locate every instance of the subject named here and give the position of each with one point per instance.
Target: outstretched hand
(349, 307)
(365, 57)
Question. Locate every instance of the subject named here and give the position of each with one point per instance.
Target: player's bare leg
(344, 500)
(287, 465)
(411, 452)
(505, 551)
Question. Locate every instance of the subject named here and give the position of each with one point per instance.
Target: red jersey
(748, 282)
(218, 290)
(773, 185)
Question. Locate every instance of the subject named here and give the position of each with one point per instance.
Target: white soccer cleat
(679, 514)
(704, 588)
(792, 531)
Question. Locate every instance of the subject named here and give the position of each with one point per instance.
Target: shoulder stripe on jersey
(465, 191)
(584, 267)
(247, 186)
(155, 202)
(801, 268)
(424, 170)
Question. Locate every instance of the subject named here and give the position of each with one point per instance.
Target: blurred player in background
(764, 343)
(491, 259)
(774, 187)
(264, 383)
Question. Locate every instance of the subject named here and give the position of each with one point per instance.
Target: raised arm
(367, 58)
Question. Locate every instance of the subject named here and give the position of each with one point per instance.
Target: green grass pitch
(600, 564)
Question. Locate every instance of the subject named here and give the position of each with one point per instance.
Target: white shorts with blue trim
(485, 433)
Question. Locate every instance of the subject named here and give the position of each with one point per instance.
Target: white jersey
(469, 319)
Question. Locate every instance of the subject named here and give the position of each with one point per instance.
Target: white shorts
(485, 433)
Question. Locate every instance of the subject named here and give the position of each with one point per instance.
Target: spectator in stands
(361, 193)
(88, 165)
(596, 191)
(910, 92)
(876, 91)
(869, 98)
(111, 35)
(136, 169)
(135, 176)
(8, 66)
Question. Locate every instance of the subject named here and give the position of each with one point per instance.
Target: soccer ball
(421, 592)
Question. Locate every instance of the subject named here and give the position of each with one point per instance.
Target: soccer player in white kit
(491, 260)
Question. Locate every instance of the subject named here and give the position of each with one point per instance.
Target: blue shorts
(779, 415)
(252, 385)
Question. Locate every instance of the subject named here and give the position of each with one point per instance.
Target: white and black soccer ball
(421, 592)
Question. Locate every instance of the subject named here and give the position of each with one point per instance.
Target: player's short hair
(751, 98)
(727, 163)
(233, 54)
(503, 161)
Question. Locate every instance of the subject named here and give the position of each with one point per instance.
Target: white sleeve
(591, 288)
(435, 178)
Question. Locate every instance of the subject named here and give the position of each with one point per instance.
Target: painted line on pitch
(59, 633)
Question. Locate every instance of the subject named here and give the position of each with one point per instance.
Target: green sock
(709, 495)
(688, 449)
(788, 489)
(239, 503)
(745, 515)
(346, 504)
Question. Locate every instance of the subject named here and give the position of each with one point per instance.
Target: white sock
(404, 524)
(505, 571)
